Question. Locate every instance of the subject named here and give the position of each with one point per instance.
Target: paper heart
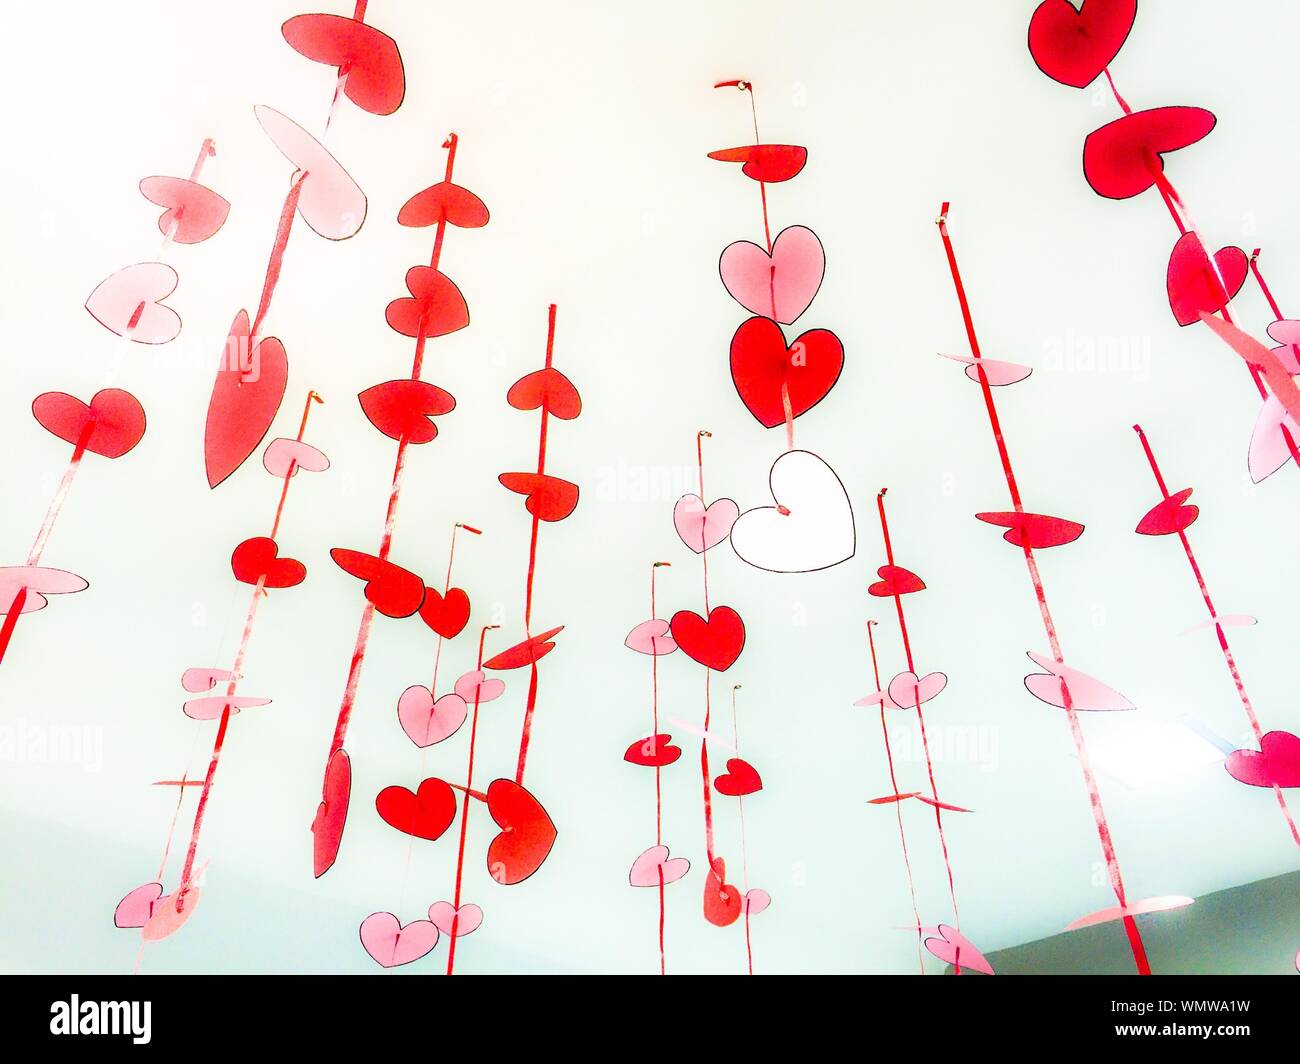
(367, 60)
(956, 949)
(1269, 449)
(392, 943)
(255, 558)
(1073, 45)
(529, 652)
(214, 707)
(284, 457)
(37, 582)
(936, 804)
(1137, 908)
(527, 833)
(1086, 692)
(907, 690)
(1277, 761)
(780, 285)
(755, 901)
(1287, 333)
(330, 202)
(647, 869)
(114, 421)
(447, 202)
(195, 210)
(810, 527)
(1169, 516)
(701, 527)
(1125, 157)
(1223, 620)
(405, 408)
(446, 614)
(715, 643)
(434, 308)
(130, 303)
(654, 751)
(392, 590)
(549, 389)
(426, 813)
(549, 498)
(1036, 531)
(763, 366)
(332, 812)
(651, 637)
(740, 779)
(998, 373)
(767, 163)
(722, 902)
(201, 678)
(137, 906)
(1255, 354)
(453, 922)
(169, 915)
(245, 397)
(473, 685)
(427, 722)
(1195, 284)
(895, 580)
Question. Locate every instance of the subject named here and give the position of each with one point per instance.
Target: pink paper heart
(1269, 450)
(427, 722)
(212, 707)
(330, 201)
(39, 582)
(700, 526)
(756, 900)
(1134, 908)
(392, 944)
(998, 373)
(487, 689)
(165, 920)
(467, 917)
(200, 678)
(135, 909)
(778, 286)
(955, 948)
(130, 303)
(284, 457)
(1276, 762)
(1287, 333)
(1086, 692)
(651, 637)
(645, 869)
(907, 690)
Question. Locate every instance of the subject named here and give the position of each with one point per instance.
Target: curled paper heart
(195, 210)
(1073, 44)
(284, 457)
(701, 527)
(715, 643)
(527, 833)
(391, 943)
(246, 395)
(651, 637)
(169, 915)
(444, 202)
(529, 652)
(130, 303)
(453, 922)
(722, 902)
(427, 721)
(330, 202)
(780, 285)
(332, 812)
(392, 590)
(647, 869)
(1036, 531)
(952, 946)
(767, 163)
(999, 374)
(654, 751)
(1086, 692)
(113, 422)
(366, 59)
(474, 685)
(1125, 157)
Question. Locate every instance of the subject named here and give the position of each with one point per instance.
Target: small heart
(368, 62)
(473, 685)
(548, 389)
(1086, 692)
(245, 398)
(446, 614)
(167, 917)
(392, 590)
(527, 833)
(1125, 157)
(999, 374)
(1269, 448)
(1073, 45)
(1169, 516)
(284, 457)
(444, 202)
(404, 409)
(529, 652)
(549, 498)
(651, 637)
(956, 949)
(767, 372)
(113, 422)
(654, 751)
(780, 285)
(130, 303)
(715, 643)
(907, 690)
(332, 812)
(655, 863)
(895, 580)
(741, 778)
(194, 210)
(255, 559)
(722, 902)
(330, 202)
(215, 706)
(434, 308)
(1276, 762)
(1036, 531)
(756, 901)
(202, 678)
(135, 909)
(426, 813)
(427, 722)
(701, 527)
(766, 163)
(1193, 282)
(392, 943)
(453, 922)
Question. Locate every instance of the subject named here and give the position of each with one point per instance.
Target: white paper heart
(809, 528)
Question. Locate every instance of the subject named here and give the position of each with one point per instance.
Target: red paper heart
(549, 389)
(654, 751)
(1276, 762)
(446, 614)
(114, 418)
(1192, 283)
(1169, 516)
(761, 363)
(895, 580)
(529, 652)
(437, 307)
(195, 210)
(331, 813)
(715, 643)
(1037, 531)
(549, 498)
(392, 590)
(1073, 45)
(740, 779)
(406, 408)
(256, 557)
(375, 80)
(426, 813)
(245, 398)
(444, 201)
(1124, 157)
(722, 903)
(527, 833)
(769, 163)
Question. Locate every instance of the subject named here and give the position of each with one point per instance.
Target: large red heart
(405, 408)
(446, 614)
(437, 307)
(722, 903)
(1124, 157)
(769, 163)
(529, 652)
(654, 751)
(1169, 515)
(715, 643)
(895, 580)
(527, 833)
(426, 813)
(444, 202)
(195, 210)
(113, 422)
(1036, 531)
(549, 498)
(1192, 282)
(1276, 762)
(331, 813)
(740, 779)
(245, 398)
(1073, 45)
(761, 364)
(392, 590)
(375, 80)
(548, 388)
(256, 558)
